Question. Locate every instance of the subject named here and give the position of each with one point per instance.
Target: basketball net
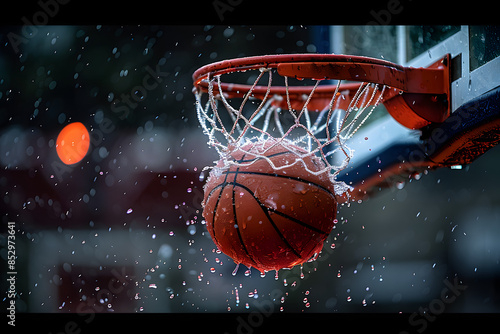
(318, 123)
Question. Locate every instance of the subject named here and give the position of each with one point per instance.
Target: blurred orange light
(73, 143)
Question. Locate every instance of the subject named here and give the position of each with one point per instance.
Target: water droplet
(299, 188)
(237, 296)
(191, 229)
(129, 211)
(235, 269)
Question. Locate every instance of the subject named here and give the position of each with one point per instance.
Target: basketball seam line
(242, 160)
(265, 209)
(223, 186)
(296, 221)
(236, 220)
(259, 158)
(217, 203)
(262, 205)
(294, 178)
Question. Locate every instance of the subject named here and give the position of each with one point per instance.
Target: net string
(332, 120)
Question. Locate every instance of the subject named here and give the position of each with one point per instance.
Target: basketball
(269, 217)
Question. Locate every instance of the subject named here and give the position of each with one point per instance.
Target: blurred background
(122, 230)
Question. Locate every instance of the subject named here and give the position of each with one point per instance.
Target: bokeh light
(73, 143)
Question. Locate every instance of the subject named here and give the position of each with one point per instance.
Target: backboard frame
(466, 84)
(469, 84)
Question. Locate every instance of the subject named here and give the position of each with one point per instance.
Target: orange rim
(429, 83)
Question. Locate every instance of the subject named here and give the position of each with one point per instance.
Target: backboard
(474, 50)
(395, 154)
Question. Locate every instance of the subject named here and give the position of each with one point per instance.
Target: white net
(319, 119)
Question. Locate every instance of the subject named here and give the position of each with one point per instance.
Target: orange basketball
(265, 218)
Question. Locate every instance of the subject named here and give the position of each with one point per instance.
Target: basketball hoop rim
(332, 67)
(274, 61)
(423, 83)
(286, 64)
